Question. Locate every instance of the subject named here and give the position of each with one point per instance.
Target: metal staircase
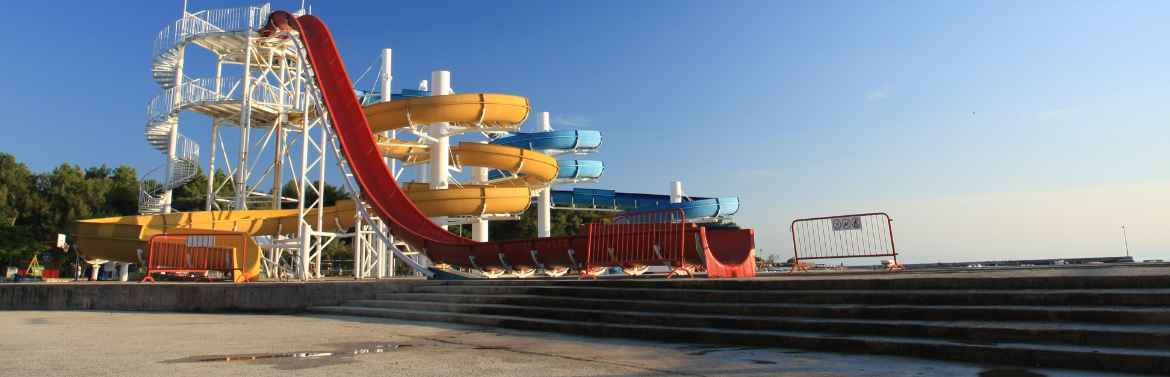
(222, 31)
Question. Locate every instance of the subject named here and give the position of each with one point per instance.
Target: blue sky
(987, 129)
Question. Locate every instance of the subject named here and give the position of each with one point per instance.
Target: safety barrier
(635, 241)
(196, 255)
(845, 236)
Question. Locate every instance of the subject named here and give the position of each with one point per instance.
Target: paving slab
(96, 343)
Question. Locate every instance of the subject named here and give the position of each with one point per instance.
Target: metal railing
(209, 21)
(636, 240)
(208, 90)
(844, 236)
(196, 255)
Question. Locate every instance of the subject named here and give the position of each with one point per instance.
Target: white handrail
(204, 90)
(210, 21)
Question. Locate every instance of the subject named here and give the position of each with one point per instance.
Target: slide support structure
(440, 148)
(544, 202)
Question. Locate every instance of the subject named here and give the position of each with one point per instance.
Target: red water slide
(410, 225)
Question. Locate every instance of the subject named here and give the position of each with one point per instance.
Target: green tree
(122, 197)
(16, 186)
(66, 196)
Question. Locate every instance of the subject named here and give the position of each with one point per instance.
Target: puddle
(704, 351)
(299, 359)
(38, 321)
(1009, 372)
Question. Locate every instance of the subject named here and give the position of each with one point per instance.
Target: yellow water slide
(125, 238)
(478, 111)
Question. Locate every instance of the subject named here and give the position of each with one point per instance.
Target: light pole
(1125, 240)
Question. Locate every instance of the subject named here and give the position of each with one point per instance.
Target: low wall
(195, 297)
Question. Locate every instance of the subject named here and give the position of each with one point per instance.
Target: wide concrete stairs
(1117, 324)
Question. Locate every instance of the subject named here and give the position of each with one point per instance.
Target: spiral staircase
(224, 32)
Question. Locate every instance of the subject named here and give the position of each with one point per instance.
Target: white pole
(123, 271)
(387, 78)
(424, 169)
(676, 192)
(544, 202)
(441, 148)
(173, 144)
(245, 127)
(359, 251)
(381, 247)
(479, 228)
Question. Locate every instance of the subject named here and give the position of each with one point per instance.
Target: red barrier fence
(195, 255)
(845, 236)
(637, 240)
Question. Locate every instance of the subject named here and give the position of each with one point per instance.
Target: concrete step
(1025, 354)
(1104, 315)
(1027, 297)
(1080, 277)
(968, 331)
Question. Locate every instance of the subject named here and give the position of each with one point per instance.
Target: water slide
(124, 238)
(522, 168)
(407, 222)
(598, 199)
(577, 141)
(407, 210)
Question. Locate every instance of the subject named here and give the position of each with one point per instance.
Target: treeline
(35, 207)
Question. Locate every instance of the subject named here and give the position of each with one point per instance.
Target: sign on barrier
(195, 254)
(845, 236)
(637, 240)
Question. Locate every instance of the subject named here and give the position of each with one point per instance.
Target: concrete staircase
(1109, 323)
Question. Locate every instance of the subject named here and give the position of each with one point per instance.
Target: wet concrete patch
(342, 353)
(38, 321)
(1009, 372)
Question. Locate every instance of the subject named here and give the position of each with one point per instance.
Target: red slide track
(405, 220)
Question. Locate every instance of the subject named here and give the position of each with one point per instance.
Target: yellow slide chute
(121, 238)
(480, 111)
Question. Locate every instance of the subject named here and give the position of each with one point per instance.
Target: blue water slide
(558, 139)
(371, 97)
(569, 170)
(633, 202)
(580, 169)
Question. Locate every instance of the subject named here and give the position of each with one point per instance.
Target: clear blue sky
(987, 129)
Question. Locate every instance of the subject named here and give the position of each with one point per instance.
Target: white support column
(676, 192)
(123, 271)
(172, 154)
(479, 228)
(380, 246)
(423, 172)
(278, 163)
(441, 148)
(211, 164)
(358, 247)
(245, 124)
(173, 145)
(387, 91)
(544, 202)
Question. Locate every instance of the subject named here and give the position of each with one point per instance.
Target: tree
(122, 198)
(16, 183)
(67, 198)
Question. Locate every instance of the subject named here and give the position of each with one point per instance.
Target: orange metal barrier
(637, 240)
(196, 255)
(845, 236)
